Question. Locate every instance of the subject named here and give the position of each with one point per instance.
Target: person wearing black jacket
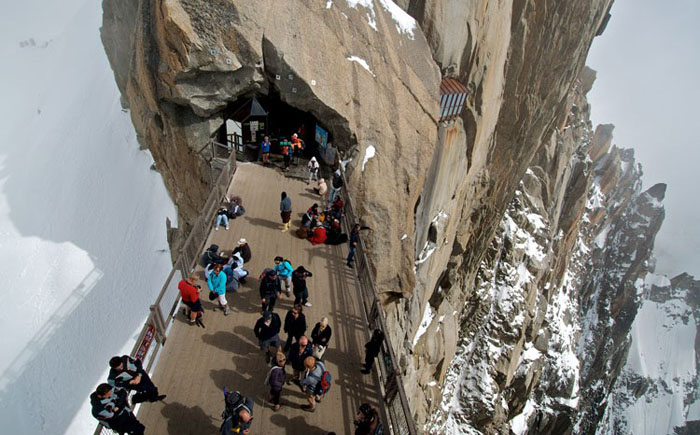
(244, 250)
(211, 256)
(110, 406)
(372, 349)
(267, 330)
(296, 356)
(301, 291)
(354, 241)
(294, 325)
(320, 336)
(270, 289)
(128, 373)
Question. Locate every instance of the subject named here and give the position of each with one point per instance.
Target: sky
(648, 64)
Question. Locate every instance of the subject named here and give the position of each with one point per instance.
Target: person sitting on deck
(235, 207)
(235, 273)
(270, 288)
(110, 406)
(244, 250)
(128, 373)
(310, 215)
(221, 218)
(319, 235)
(335, 235)
(267, 330)
(211, 256)
(321, 187)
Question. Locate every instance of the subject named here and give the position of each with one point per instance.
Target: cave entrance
(250, 118)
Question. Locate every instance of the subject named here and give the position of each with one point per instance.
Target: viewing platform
(196, 364)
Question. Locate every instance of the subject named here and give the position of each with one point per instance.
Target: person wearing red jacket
(189, 292)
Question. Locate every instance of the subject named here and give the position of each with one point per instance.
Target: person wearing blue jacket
(217, 284)
(265, 149)
(284, 272)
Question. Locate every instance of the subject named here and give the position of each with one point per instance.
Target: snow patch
(369, 5)
(369, 153)
(329, 3)
(363, 63)
(428, 316)
(404, 23)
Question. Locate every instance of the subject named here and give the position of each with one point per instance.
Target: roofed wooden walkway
(196, 364)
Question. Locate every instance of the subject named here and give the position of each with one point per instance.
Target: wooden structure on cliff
(453, 94)
(197, 364)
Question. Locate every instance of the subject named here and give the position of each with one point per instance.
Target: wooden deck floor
(196, 364)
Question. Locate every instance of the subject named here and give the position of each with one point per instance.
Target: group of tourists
(290, 149)
(302, 351)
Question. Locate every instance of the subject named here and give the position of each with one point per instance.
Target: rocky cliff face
(507, 244)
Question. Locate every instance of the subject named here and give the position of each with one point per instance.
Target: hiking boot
(217, 228)
(161, 397)
(307, 304)
(192, 321)
(349, 264)
(308, 408)
(289, 293)
(276, 408)
(226, 310)
(364, 371)
(226, 227)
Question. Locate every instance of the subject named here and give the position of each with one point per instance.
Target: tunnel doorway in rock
(250, 118)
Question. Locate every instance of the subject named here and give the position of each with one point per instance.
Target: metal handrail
(401, 418)
(154, 332)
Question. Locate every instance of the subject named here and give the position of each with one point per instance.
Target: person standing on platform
(269, 290)
(294, 325)
(286, 211)
(128, 373)
(267, 330)
(296, 356)
(110, 406)
(311, 382)
(286, 148)
(265, 150)
(217, 284)
(337, 184)
(313, 170)
(320, 336)
(372, 349)
(189, 292)
(354, 241)
(275, 380)
(284, 273)
(301, 291)
(297, 147)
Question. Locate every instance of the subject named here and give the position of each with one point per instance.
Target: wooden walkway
(196, 364)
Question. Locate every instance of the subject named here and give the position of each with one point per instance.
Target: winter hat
(242, 242)
(267, 315)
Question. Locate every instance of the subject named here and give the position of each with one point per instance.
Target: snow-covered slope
(83, 245)
(658, 389)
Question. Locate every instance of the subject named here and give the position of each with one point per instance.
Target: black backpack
(234, 401)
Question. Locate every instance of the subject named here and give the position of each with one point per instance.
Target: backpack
(325, 384)
(234, 401)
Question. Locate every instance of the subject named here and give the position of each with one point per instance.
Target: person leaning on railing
(110, 406)
(354, 241)
(189, 292)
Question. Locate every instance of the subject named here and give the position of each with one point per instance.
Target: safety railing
(155, 331)
(393, 393)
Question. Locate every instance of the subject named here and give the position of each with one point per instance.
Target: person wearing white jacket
(313, 169)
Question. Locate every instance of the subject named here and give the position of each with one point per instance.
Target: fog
(648, 63)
